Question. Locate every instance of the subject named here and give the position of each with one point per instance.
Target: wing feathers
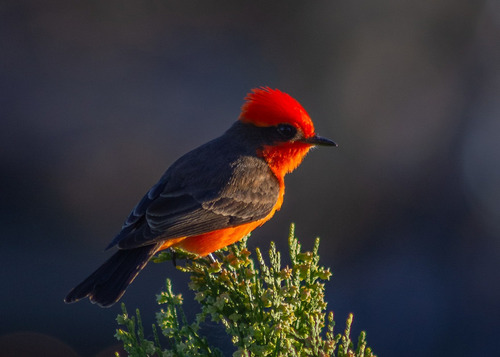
(239, 191)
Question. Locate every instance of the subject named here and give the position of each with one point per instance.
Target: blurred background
(98, 98)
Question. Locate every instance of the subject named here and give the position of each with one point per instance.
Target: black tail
(108, 283)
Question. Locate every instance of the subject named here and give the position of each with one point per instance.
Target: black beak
(318, 140)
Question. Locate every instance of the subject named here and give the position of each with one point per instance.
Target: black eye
(287, 131)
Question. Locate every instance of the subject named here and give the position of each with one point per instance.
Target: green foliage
(133, 339)
(266, 310)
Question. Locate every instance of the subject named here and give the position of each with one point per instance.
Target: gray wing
(196, 198)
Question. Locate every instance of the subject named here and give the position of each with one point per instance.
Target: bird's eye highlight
(287, 131)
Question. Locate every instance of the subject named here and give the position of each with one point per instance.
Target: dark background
(97, 98)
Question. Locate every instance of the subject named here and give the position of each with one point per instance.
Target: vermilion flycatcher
(212, 196)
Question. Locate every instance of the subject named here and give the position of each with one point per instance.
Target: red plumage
(268, 107)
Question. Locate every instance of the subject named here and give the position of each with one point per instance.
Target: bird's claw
(212, 258)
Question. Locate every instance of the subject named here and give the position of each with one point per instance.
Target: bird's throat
(284, 158)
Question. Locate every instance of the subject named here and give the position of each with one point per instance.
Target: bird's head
(291, 127)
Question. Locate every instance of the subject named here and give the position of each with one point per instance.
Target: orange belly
(207, 243)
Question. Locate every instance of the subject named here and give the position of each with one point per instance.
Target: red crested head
(269, 107)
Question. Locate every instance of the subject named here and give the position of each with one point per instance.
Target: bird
(212, 196)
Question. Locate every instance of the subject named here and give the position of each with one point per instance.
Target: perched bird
(212, 196)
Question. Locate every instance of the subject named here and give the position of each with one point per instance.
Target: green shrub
(267, 310)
